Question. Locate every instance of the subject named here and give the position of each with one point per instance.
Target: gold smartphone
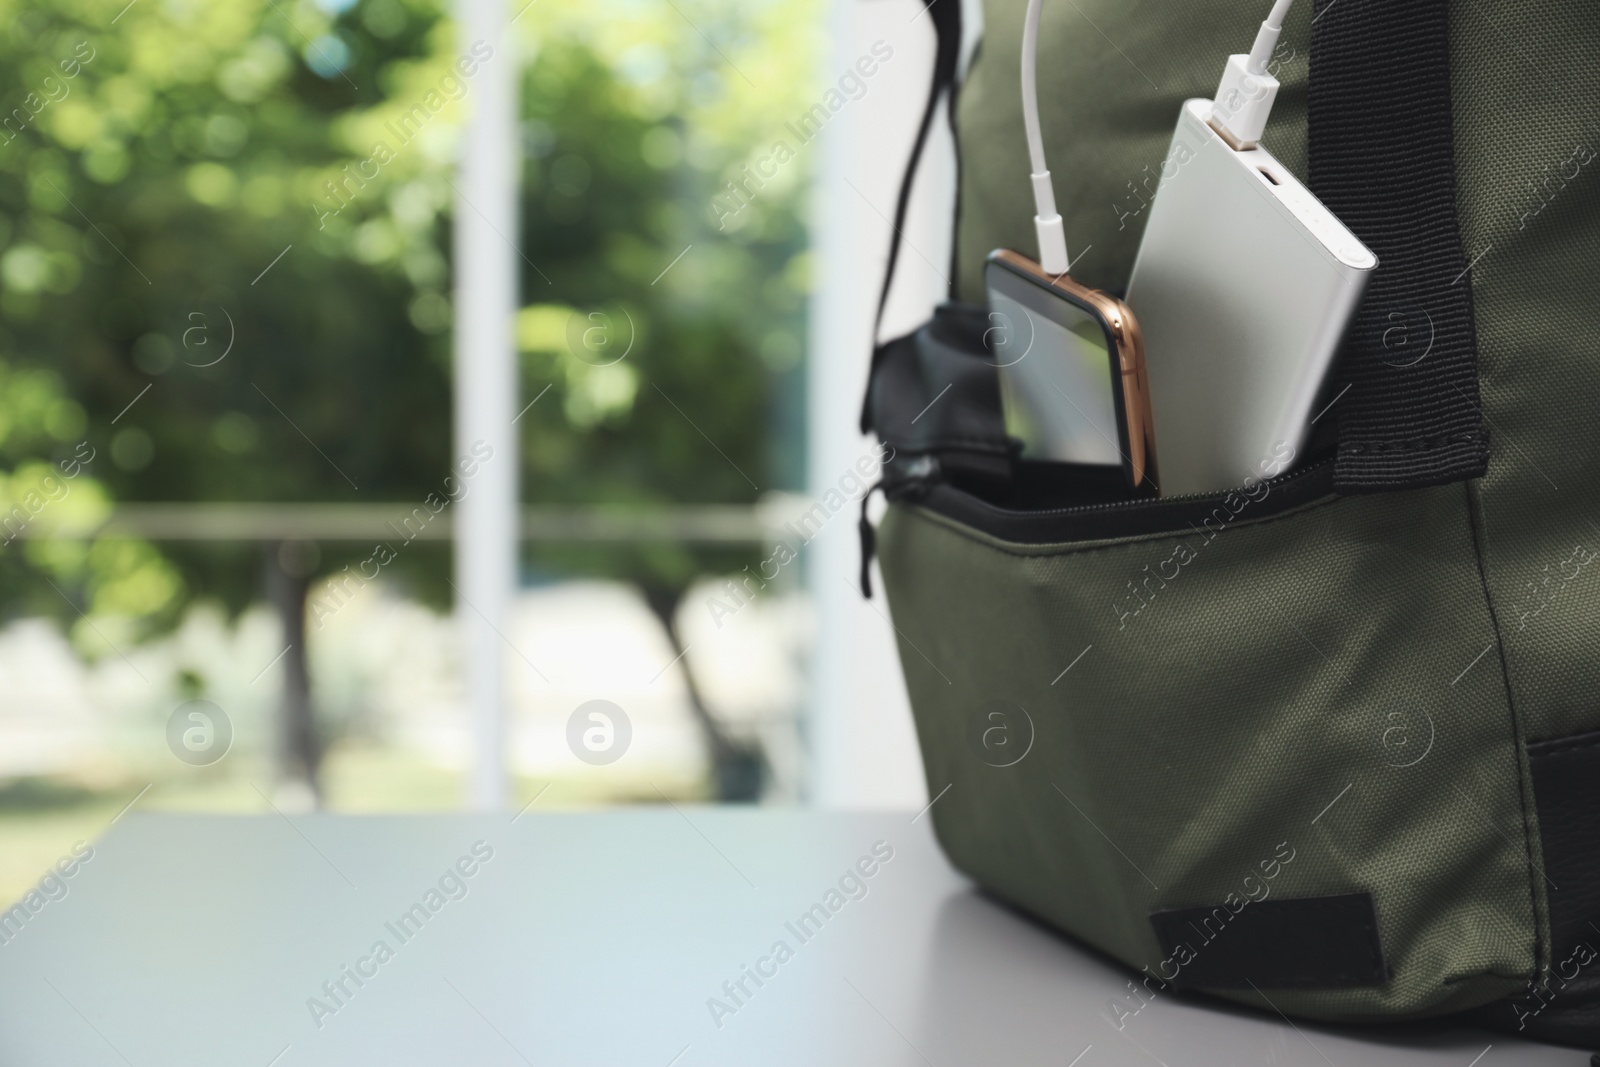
(1072, 377)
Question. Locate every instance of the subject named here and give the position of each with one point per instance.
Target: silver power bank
(1242, 287)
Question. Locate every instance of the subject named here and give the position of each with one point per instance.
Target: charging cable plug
(1046, 220)
(1047, 224)
(1245, 95)
(1244, 100)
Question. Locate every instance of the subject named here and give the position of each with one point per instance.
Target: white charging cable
(1046, 220)
(1243, 102)
(1245, 95)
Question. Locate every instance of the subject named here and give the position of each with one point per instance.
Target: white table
(593, 939)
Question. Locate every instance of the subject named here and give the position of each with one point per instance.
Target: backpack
(1329, 745)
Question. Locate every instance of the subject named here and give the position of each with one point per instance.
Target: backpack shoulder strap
(946, 18)
(1382, 157)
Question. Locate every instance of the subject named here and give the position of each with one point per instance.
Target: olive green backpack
(1329, 745)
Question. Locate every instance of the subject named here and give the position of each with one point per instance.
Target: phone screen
(1055, 365)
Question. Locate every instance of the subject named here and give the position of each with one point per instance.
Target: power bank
(1243, 286)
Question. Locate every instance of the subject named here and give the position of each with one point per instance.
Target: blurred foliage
(224, 270)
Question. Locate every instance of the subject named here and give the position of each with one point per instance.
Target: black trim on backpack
(1562, 1001)
(1329, 942)
(1382, 157)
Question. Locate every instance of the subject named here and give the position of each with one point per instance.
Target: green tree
(214, 276)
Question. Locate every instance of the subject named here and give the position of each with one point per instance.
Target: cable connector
(1244, 98)
(1046, 220)
(1047, 224)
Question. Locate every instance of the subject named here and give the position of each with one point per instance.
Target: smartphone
(1071, 364)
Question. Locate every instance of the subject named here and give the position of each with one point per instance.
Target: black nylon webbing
(946, 18)
(1382, 158)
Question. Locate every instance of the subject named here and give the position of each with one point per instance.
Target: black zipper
(1121, 518)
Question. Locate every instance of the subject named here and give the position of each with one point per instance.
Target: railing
(726, 524)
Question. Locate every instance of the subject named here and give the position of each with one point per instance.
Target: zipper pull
(910, 479)
(869, 541)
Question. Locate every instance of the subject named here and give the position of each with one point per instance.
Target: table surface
(595, 938)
